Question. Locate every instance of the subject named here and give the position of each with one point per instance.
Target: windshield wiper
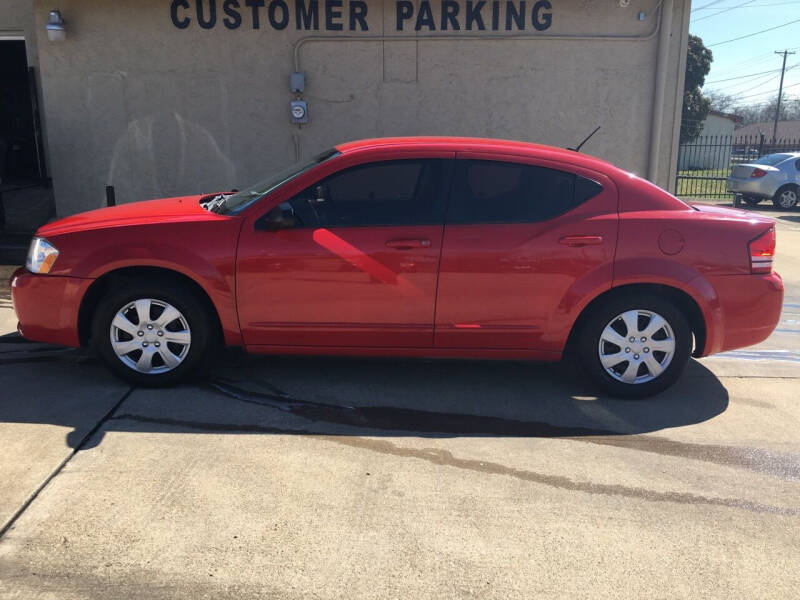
(216, 204)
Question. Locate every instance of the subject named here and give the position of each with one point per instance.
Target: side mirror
(280, 217)
(319, 195)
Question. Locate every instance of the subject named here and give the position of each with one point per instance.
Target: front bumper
(747, 186)
(748, 311)
(47, 306)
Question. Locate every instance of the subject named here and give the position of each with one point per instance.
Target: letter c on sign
(173, 12)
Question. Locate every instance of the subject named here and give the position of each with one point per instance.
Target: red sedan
(419, 247)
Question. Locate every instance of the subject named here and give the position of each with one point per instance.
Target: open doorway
(19, 153)
(25, 196)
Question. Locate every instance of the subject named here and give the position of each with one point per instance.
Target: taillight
(758, 173)
(762, 249)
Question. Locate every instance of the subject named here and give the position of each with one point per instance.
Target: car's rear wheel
(786, 197)
(151, 334)
(634, 346)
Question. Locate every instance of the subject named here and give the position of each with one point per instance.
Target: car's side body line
(427, 352)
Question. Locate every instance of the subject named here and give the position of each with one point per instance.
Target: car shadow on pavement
(335, 396)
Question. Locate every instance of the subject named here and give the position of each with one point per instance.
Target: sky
(750, 60)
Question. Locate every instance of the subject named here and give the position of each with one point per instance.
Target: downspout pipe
(658, 94)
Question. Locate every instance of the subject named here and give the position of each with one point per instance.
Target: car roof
(470, 144)
(789, 153)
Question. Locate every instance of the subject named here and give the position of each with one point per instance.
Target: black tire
(788, 201)
(600, 316)
(192, 309)
(751, 200)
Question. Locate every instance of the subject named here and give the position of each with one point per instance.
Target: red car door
(350, 261)
(523, 240)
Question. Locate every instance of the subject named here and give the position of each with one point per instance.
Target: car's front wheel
(786, 197)
(151, 334)
(634, 346)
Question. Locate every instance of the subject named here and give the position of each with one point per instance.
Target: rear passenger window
(500, 192)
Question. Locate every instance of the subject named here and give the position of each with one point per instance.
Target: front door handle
(578, 241)
(408, 244)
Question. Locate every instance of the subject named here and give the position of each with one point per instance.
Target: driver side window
(397, 192)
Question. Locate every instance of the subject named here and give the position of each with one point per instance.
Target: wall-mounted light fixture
(56, 28)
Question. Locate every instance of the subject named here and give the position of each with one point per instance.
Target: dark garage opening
(25, 196)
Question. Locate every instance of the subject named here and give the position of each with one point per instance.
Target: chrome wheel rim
(636, 346)
(788, 199)
(150, 336)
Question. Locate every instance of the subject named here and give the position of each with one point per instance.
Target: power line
(760, 81)
(795, 2)
(706, 5)
(758, 85)
(762, 93)
(741, 37)
(743, 65)
(724, 11)
(776, 4)
(743, 76)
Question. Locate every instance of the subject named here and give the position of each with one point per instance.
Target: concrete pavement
(327, 478)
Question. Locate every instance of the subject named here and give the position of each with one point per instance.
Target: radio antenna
(586, 139)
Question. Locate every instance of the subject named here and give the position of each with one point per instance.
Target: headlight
(41, 256)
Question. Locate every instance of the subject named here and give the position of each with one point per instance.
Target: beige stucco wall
(17, 20)
(134, 102)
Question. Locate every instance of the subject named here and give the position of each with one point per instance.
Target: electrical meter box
(299, 110)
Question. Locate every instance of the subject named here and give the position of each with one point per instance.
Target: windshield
(771, 159)
(241, 200)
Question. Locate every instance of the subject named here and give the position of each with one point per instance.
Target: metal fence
(705, 163)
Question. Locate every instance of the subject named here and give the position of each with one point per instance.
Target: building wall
(155, 109)
(17, 20)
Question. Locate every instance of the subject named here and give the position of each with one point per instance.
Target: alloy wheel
(150, 336)
(636, 346)
(787, 199)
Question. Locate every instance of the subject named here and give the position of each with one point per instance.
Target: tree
(695, 104)
(720, 101)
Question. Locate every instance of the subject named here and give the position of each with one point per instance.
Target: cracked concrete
(330, 478)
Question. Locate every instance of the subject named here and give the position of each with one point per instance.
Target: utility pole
(780, 93)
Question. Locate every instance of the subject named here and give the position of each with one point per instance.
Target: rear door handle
(578, 241)
(405, 244)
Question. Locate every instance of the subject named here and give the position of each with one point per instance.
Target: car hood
(183, 208)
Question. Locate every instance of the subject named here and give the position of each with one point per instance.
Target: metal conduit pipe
(495, 38)
(658, 97)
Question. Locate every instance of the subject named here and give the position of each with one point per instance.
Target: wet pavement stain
(395, 419)
(388, 418)
(447, 459)
(783, 465)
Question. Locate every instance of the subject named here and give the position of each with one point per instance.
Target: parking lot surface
(350, 478)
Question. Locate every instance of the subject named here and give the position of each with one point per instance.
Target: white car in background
(775, 176)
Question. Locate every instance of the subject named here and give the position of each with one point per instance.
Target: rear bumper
(747, 311)
(751, 187)
(47, 306)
